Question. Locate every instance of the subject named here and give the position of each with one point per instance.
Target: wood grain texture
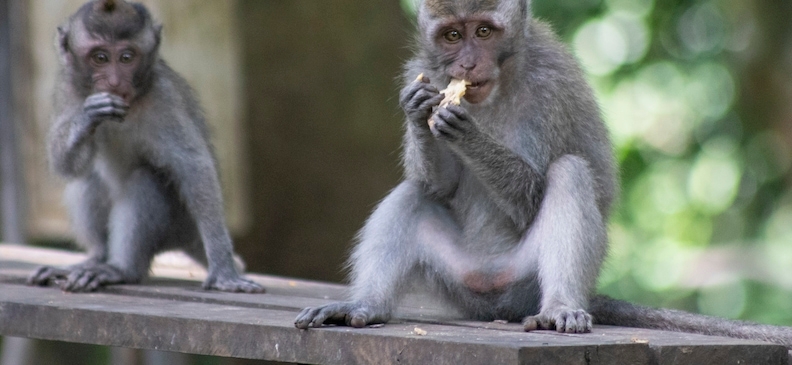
(176, 315)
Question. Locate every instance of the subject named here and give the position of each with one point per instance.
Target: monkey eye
(452, 36)
(100, 58)
(483, 32)
(126, 57)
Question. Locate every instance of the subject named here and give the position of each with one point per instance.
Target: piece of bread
(453, 94)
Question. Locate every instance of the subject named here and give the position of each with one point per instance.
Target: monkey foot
(353, 314)
(234, 285)
(80, 278)
(561, 319)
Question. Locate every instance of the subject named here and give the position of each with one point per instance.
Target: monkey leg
(381, 264)
(569, 233)
(89, 206)
(139, 219)
(230, 281)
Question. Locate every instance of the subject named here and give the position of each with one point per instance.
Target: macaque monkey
(130, 137)
(505, 198)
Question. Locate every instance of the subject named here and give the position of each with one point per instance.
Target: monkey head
(471, 40)
(110, 46)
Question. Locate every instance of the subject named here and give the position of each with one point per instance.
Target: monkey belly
(496, 295)
(486, 282)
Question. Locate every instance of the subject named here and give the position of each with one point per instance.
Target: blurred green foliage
(705, 218)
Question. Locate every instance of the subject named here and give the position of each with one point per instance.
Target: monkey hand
(104, 106)
(418, 98)
(353, 314)
(79, 278)
(232, 283)
(452, 123)
(563, 319)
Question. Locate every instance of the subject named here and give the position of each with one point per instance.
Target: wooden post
(10, 170)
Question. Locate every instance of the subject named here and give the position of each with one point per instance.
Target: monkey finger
(41, 276)
(105, 99)
(118, 100)
(320, 316)
(431, 102)
(409, 93)
(251, 287)
(106, 111)
(311, 317)
(420, 107)
(304, 318)
(573, 321)
(96, 282)
(561, 322)
(358, 321)
(243, 285)
(448, 121)
(442, 130)
(538, 322)
(414, 103)
(584, 321)
(236, 284)
(530, 324)
(98, 97)
(458, 112)
(103, 108)
(77, 280)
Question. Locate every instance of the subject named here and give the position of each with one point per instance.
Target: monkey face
(468, 49)
(112, 66)
(110, 47)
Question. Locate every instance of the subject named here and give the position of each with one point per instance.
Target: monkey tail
(609, 311)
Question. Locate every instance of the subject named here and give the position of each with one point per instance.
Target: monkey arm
(188, 158)
(71, 142)
(426, 160)
(515, 186)
(429, 162)
(200, 191)
(70, 146)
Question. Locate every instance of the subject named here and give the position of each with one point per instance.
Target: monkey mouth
(478, 91)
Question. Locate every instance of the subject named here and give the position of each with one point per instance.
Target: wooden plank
(224, 330)
(176, 315)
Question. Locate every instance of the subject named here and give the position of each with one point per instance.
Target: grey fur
(141, 178)
(504, 203)
(508, 197)
(620, 313)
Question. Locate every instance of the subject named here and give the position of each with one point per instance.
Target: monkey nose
(468, 66)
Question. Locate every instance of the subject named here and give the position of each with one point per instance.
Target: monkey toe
(533, 323)
(80, 281)
(350, 314)
(42, 276)
(357, 320)
(564, 321)
(304, 318)
(577, 321)
(233, 285)
(316, 317)
(249, 286)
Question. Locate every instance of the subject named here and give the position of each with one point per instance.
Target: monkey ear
(157, 36)
(516, 14)
(62, 42)
(63, 39)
